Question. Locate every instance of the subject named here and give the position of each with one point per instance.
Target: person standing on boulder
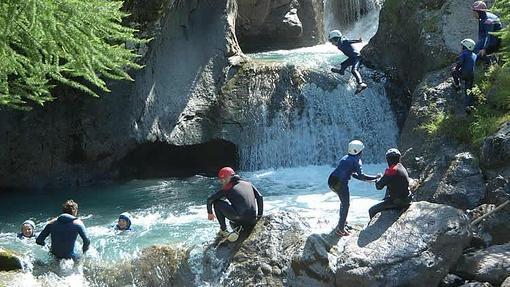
(353, 57)
(487, 24)
(396, 180)
(464, 70)
(244, 207)
(338, 181)
(64, 230)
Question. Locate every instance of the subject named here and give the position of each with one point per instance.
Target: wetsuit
(244, 207)
(354, 58)
(350, 165)
(465, 70)
(64, 230)
(488, 23)
(397, 196)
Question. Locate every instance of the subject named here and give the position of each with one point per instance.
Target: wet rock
(489, 265)
(462, 185)
(506, 283)
(496, 148)
(282, 24)
(476, 284)
(155, 266)
(425, 241)
(9, 261)
(498, 190)
(262, 258)
(495, 229)
(451, 280)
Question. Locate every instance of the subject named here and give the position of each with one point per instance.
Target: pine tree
(77, 43)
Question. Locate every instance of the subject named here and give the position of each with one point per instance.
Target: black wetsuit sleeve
(354, 41)
(358, 173)
(260, 201)
(213, 198)
(382, 182)
(42, 236)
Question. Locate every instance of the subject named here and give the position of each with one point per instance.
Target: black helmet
(393, 156)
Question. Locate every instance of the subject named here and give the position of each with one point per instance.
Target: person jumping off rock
(353, 57)
(396, 180)
(338, 181)
(487, 23)
(244, 207)
(464, 70)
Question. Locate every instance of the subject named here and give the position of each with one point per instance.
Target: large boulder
(9, 261)
(494, 229)
(260, 259)
(278, 24)
(489, 265)
(462, 185)
(416, 248)
(496, 148)
(506, 283)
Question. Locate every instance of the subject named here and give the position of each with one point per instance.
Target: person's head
(124, 221)
(393, 156)
(28, 228)
(355, 147)
(334, 36)
(478, 8)
(225, 175)
(468, 44)
(70, 207)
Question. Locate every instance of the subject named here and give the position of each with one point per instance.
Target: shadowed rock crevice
(158, 160)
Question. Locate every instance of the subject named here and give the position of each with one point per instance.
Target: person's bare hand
(481, 53)
(211, 216)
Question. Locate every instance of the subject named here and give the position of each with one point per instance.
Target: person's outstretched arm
(359, 175)
(260, 202)
(42, 236)
(211, 199)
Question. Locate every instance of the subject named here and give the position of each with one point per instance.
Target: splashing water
(163, 212)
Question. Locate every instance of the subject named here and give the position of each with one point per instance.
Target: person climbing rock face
(396, 180)
(353, 57)
(64, 230)
(464, 70)
(338, 181)
(27, 229)
(487, 23)
(244, 207)
(124, 222)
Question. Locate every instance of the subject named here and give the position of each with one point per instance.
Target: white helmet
(469, 44)
(355, 147)
(334, 34)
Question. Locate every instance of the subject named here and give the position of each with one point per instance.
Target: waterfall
(287, 126)
(356, 18)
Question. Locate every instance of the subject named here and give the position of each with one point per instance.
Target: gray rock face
(495, 228)
(496, 148)
(462, 185)
(490, 265)
(9, 261)
(78, 140)
(279, 24)
(425, 241)
(506, 283)
(410, 31)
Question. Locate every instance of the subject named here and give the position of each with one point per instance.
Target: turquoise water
(170, 211)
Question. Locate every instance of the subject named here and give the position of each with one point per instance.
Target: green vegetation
(72, 42)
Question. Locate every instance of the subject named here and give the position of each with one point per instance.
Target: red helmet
(479, 6)
(225, 172)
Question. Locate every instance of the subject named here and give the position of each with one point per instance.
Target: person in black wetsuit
(245, 203)
(396, 180)
(353, 57)
(338, 181)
